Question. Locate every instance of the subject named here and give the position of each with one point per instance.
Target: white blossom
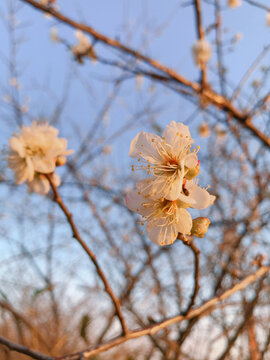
(167, 159)
(83, 43)
(234, 3)
(165, 219)
(34, 150)
(201, 52)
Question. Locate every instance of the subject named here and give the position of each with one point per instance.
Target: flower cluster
(34, 152)
(201, 52)
(163, 198)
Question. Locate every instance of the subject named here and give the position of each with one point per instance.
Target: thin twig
(209, 305)
(196, 253)
(200, 34)
(77, 236)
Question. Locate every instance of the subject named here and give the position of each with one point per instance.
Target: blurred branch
(209, 305)
(196, 253)
(255, 3)
(25, 321)
(207, 94)
(246, 318)
(24, 350)
(200, 34)
(77, 236)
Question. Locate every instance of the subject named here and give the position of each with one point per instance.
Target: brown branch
(246, 318)
(205, 308)
(252, 341)
(77, 236)
(208, 94)
(196, 253)
(221, 69)
(23, 350)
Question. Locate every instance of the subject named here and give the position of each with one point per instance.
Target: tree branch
(205, 308)
(208, 94)
(24, 350)
(77, 236)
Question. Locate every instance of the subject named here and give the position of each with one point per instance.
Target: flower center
(161, 209)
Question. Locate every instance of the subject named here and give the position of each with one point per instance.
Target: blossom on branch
(167, 159)
(163, 198)
(165, 218)
(201, 52)
(33, 152)
(83, 47)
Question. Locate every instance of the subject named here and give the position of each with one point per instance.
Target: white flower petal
(175, 132)
(145, 145)
(201, 196)
(17, 146)
(173, 191)
(149, 187)
(44, 165)
(161, 235)
(133, 200)
(191, 160)
(40, 184)
(184, 224)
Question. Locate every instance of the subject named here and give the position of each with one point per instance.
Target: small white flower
(83, 43)
(234, 3)
(35, 151)
(204, 130)
(165, 219)
(268, 18)
(201, 52)
(167, 159)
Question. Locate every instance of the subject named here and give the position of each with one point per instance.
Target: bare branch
(77, 236)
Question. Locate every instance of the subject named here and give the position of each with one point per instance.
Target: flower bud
(192, 173)
(61, 160)
(200, 226)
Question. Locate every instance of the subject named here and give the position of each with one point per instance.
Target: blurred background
(51, 298)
